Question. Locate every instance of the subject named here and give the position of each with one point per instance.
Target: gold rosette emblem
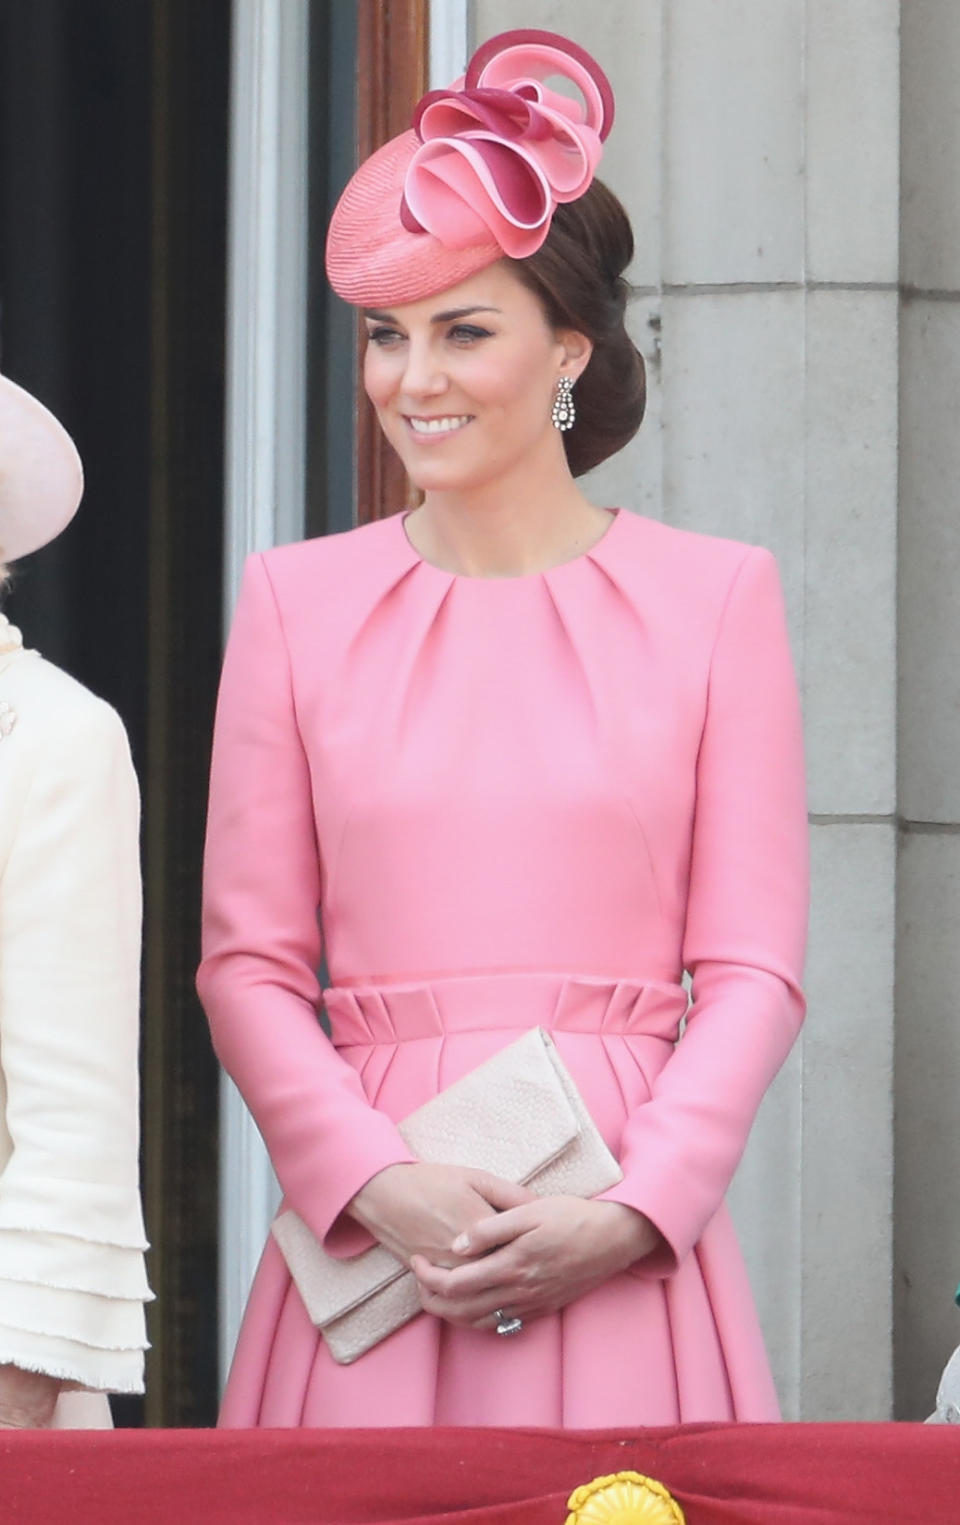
(625, 1498)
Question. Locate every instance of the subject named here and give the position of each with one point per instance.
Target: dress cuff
(672, 1249)
(340, 1234)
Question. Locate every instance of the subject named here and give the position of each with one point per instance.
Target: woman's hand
(27, 1398)
(534, 1259)
(421, 1209)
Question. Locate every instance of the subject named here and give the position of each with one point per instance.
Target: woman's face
(464, 382)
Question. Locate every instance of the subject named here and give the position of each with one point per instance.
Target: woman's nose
(423, 375)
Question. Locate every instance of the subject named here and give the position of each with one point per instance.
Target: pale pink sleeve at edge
(261, 942)
(745, 929)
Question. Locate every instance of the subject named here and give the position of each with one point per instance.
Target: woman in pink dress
(525, 760)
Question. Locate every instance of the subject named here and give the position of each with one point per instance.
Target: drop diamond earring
(563, 413)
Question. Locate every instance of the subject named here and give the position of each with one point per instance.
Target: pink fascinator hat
(41, 479)
(479, 175)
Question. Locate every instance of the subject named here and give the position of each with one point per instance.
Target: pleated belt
(399, 1012)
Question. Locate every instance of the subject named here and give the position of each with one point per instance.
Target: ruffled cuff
(106, 1371)
(73, 1309)
(102, 1323)
(73, 1265)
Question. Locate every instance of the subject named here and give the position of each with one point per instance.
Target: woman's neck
(493, 532)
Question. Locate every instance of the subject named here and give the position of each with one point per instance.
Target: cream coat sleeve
(72, 1280)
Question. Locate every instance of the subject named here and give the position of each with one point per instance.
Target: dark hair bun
(578, 274)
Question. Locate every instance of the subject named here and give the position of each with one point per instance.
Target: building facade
(792, 170)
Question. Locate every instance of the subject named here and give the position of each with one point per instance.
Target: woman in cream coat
(72, 1281)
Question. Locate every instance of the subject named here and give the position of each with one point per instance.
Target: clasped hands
(478, 1244)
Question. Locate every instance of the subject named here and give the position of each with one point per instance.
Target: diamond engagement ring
(507, 1325)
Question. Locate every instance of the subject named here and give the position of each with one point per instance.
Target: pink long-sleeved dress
(510, 802)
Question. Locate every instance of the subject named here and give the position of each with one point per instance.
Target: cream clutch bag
(519, 1116)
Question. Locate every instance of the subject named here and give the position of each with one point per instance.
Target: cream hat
(41, 478)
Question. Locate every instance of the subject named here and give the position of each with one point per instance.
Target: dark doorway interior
(75, 316)
(113, 182)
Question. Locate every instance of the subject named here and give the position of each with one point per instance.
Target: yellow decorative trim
(624, 1498)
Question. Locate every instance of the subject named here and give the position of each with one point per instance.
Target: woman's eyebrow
(376, 316)
(459, 312)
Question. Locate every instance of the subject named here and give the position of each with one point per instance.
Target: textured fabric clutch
(519, 1116)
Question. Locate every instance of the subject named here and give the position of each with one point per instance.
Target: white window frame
(265, 458)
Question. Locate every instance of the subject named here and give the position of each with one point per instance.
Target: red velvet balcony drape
(719, 1474)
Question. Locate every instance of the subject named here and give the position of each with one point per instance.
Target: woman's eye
(383, 336)
(468, 333)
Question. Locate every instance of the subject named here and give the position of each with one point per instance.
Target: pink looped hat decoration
(479, 176)
(499, 150)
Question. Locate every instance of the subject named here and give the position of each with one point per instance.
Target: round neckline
(616, 514)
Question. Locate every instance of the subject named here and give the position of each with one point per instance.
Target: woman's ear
(577, 349)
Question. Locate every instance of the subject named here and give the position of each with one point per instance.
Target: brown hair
(577, 273)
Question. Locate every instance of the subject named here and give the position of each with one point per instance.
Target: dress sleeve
(261, 941)
(72, 1281)
(745, 927)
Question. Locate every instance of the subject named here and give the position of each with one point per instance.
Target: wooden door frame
(393, 45)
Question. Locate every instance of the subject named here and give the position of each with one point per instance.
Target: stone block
(733, 424)
(733, 150)
(927, 1115)
(853, 140)
(847, 1186)
(930, 185)
(850, 625)
(929, 572)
